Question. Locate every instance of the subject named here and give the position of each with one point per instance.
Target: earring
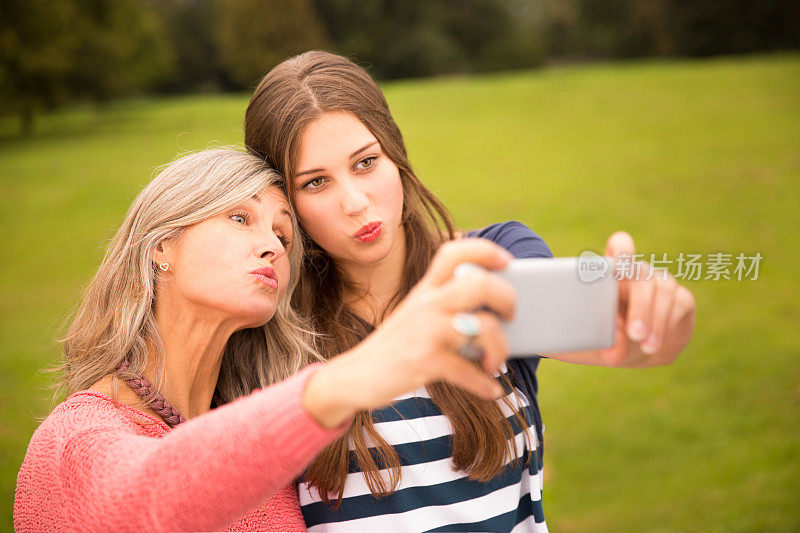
(164, 266)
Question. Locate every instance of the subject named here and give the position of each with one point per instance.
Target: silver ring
(468, 325)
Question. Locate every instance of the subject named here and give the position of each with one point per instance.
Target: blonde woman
(186, 316)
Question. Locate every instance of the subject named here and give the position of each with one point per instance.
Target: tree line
(53, 52)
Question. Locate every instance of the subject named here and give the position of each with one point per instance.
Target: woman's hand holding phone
(655, 316)
(417, 343)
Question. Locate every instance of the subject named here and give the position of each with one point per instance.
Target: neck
(194, 341)
(375, 283)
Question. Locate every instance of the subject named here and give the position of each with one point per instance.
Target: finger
(621, 249)
(684, 302)
(638, 322)
(490, 340)
(662, 309)
(479, 289)
(620, 242)
(452, 253)
(469, 377)
(680, 328)
(493, 342)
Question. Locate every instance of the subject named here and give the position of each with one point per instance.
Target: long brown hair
(286, 100)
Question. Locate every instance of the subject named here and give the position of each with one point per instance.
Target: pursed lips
(267, 276)
(369, 232)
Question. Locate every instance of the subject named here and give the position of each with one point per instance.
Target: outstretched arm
(203, 475)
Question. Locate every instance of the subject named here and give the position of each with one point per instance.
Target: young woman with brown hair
(442, 457)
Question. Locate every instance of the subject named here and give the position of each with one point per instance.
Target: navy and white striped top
(431, 494)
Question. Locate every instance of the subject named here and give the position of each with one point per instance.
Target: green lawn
(689, 156)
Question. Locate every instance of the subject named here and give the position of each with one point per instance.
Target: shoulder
(88, 421)
(86, 414)
(90, 410)
(83, 412)
(515, 237)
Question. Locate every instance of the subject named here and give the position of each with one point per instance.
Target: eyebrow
(362, 149)
(314, 170)
(285, 212)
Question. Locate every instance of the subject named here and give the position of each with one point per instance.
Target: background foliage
(52, 52)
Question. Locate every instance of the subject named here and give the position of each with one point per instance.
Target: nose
(354, 201)
(270, 247)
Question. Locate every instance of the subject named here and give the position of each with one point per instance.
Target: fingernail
(497, 391)
(637, 331)
(650, 345)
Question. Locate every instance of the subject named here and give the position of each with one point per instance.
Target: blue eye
(241, 218)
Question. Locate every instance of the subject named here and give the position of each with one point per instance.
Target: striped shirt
(431, 494)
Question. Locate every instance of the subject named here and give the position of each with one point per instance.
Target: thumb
(617, 354)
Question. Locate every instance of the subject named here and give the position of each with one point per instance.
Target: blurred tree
(621, 28)
(555, 22)
(254, 35)
(420, 38)
(414, 40)
(122, 50)
(99, 49)
(733, 26)
(191, 38)
(95, 49)
(631, 28)
(37, 47)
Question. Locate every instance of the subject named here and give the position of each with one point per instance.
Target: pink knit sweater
(96, 466)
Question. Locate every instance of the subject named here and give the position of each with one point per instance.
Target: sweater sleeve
(202, 475)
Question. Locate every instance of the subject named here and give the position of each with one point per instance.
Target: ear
(164, 252)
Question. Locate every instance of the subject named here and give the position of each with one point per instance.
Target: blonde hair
(116, 320)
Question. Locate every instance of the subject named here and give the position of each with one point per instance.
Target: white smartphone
(563, 304)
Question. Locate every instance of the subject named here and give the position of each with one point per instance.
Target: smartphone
(564, 304)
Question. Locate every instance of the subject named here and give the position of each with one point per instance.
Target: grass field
(690, 156)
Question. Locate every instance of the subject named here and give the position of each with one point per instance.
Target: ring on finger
(468, 325)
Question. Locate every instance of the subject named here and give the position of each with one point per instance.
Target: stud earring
(164, 266)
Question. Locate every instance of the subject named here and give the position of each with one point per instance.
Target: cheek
(314, 212)
(392, 192)
(284, 272)
(205, 268)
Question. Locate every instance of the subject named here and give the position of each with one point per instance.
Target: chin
(257, 317)
(259, 322)
(373, 254)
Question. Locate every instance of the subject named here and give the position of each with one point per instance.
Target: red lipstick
(369, 233)
(267, 276)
